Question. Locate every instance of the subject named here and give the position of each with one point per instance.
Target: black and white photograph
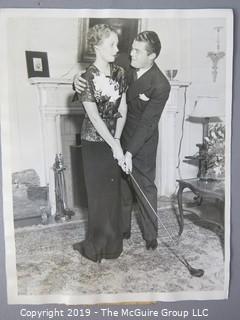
(116, 153)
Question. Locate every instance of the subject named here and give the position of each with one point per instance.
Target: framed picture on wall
(37, 64)
(127, 29)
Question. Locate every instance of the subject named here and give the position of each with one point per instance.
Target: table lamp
(206, 109)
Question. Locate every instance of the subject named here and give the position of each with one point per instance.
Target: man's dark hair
(153, 44)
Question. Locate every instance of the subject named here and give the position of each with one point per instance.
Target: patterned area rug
(47, 264)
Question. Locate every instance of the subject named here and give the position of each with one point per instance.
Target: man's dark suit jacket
(146, 98)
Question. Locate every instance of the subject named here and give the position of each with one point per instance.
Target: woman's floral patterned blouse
(106, 92)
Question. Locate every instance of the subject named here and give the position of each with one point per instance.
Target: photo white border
(13, 297)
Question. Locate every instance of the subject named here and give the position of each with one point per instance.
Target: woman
(104, 101)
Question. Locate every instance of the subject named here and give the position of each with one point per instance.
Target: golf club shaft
(150, 205)
(193, 271)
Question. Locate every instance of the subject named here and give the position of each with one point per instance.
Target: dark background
(220, 309)
(127, 29)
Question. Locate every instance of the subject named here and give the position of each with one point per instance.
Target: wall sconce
(216, 56)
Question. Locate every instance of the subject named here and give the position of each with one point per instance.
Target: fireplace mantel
(55, 96)
(55, 99)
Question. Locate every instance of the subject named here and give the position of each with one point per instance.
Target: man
(147, 94)
(148, 91)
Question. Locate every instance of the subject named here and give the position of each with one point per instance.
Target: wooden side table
(201, 188)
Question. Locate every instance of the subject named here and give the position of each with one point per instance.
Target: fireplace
(61, 122)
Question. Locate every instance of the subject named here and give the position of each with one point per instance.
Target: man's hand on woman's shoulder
(79, 83)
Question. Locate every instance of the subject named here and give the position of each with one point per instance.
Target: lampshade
(207, 107)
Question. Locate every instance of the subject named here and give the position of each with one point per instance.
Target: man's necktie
(135, 77)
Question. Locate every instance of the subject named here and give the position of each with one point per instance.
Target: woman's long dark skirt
(102, 177)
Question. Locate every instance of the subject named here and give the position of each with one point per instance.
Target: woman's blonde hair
(97, 33)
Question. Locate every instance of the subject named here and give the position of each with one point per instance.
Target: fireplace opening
(70, 126)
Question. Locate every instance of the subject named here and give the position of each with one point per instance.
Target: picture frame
(126, 29)
(37, 64)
